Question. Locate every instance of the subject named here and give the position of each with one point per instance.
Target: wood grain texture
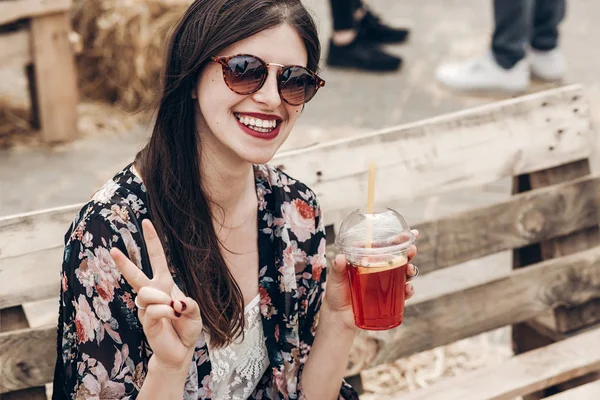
(19, 369)
(581, 239)
(451, 152)
(12, 319)
(427, 324)
(524, 219)
(588, 391)
(55, 84)
(15, 47)
(520, 375)
(30, 277)
(518, 297)
(34, 231)
(14, 10)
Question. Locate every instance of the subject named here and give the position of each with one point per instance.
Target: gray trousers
(522, 22)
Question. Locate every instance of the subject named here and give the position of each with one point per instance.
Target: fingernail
(177, 314)
(183, 306)
(172, 304)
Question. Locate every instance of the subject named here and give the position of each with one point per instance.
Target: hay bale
(94, 119)
(423, 369)
(123, 47)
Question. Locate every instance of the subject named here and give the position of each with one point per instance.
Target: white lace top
(237, 368)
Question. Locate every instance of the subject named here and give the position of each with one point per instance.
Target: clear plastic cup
(376, 268)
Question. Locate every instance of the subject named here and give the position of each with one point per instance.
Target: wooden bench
(36, 35)
(551, 297)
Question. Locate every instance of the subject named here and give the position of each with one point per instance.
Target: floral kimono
(102, 350)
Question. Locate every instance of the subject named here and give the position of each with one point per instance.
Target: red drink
(378, 294)
(376, 247)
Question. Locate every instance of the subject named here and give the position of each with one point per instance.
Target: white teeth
(258, 125)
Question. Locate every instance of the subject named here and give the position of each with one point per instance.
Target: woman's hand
(171, 321)
(337, 295)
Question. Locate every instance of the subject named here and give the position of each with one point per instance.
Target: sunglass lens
(297, 85)
(245, 74)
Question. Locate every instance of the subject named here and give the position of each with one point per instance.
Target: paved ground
(351, 103)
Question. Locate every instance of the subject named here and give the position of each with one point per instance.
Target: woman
(229, 309)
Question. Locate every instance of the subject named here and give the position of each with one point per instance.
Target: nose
(269, 93)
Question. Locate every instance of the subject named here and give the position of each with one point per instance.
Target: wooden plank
(523, 336)
(520, 375)
(587, 391)
(35, 231)
(12, 319)
(445, 319)
(517, 297)
(566, 319)
(434, 322)
(451, 152)
(524, 219)
(14, 10)
(15, 48)
(19, 369)
(428, 324)
(519, 221)
(30, 277)
(55, 88)
(36, 393)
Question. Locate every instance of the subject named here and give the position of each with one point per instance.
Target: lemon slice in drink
(371, 268)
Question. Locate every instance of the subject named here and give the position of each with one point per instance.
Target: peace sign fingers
(162, 278)
(158, 260)
(134, 276)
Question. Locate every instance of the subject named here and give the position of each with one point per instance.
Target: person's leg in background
(505, 67)
(547, 61)
(512, 19)
(356, 33)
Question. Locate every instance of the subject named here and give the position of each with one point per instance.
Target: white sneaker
(548, 65)
(483, 74)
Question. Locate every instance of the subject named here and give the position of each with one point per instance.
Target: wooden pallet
(39, 41)
(548, 131)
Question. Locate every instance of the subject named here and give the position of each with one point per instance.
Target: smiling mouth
(256, 124)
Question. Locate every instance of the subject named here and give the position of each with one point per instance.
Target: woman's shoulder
(290, 188)
(119, 204)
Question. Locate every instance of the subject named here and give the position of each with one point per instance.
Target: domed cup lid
(389, 234)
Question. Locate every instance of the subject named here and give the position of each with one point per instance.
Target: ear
(194, 95)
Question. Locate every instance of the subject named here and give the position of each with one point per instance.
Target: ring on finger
(138, 304)
(416, 272)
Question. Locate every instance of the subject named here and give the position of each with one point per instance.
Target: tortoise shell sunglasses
(246, 74)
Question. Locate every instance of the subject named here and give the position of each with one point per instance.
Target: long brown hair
(170, 164)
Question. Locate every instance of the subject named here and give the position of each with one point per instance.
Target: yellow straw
(370, 203)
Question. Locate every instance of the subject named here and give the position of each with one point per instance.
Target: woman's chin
(256, 155)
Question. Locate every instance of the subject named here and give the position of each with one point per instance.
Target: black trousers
(342, 12)
(519, 22)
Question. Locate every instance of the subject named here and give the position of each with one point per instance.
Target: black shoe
(371, 29)
(361, 55)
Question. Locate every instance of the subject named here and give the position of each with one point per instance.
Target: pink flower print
(133, 251)
(85, 320)
(128, 300)
(318, 260)
(65, 283)
(281, 382)
(294, 257)
(300, 217)
(102, 309)
(205, 390)
(288, 278)
(98, 386)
